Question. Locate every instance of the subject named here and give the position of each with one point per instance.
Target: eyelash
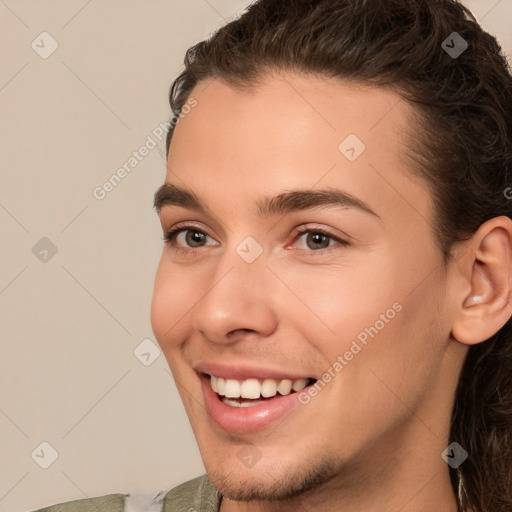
(170, 237)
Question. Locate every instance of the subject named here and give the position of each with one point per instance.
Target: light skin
(372, 439)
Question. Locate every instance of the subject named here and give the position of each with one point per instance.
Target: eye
(317, 239)
(187, 237)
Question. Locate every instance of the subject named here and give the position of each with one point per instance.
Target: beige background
(70, 323)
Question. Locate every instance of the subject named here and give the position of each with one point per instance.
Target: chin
(273, 483)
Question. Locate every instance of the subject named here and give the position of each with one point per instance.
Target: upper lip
(243, 371)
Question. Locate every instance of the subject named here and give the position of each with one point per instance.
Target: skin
(372, 438)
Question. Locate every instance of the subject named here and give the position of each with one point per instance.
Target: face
(295, 298)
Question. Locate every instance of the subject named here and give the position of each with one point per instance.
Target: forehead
(298, 103)
(296, 131)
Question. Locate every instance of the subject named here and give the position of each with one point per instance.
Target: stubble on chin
(268, 485)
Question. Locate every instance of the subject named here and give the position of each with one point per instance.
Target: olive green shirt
(197, 495)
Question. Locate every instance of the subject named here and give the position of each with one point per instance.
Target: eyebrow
(296, 200)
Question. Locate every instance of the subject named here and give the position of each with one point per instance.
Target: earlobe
(487, 307)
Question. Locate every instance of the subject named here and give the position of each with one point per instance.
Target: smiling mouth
(253, 391)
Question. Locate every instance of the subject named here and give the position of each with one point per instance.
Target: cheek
(172, 299)
(384, 315)
(400, 362)
(340, 304)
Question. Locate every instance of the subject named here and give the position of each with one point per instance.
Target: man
(333, 297)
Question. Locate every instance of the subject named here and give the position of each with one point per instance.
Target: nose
(236, 301)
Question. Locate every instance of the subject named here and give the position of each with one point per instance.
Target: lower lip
(246, 420)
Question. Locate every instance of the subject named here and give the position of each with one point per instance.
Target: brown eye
(317, 240)
(194, 238)
(187, 237)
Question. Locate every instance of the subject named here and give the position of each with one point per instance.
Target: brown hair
(463, 149)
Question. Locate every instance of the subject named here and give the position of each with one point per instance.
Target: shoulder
(197, 495)
(108, 503)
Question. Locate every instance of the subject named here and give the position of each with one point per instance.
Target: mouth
(253, 391)
(239, 403)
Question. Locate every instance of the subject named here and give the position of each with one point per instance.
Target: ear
(486, 267)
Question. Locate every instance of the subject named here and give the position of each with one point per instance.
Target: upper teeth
(253, 388)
